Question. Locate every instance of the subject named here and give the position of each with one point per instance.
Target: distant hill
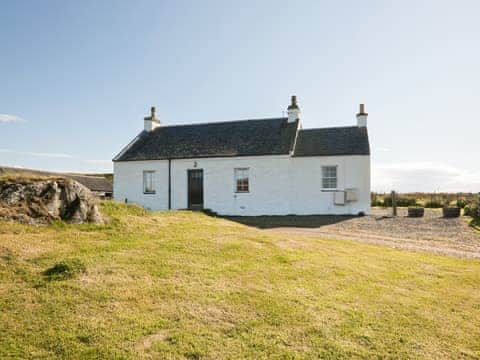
(99, 184)
(108, 176)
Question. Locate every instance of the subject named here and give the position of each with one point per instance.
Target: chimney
(293, 110)
(150, 123)
(362, 117)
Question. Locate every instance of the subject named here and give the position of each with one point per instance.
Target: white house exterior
(248, 168)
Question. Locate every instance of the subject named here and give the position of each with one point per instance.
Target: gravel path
(431, 233)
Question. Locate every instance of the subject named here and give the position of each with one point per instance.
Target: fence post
(394, 203)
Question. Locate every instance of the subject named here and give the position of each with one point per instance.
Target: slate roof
(94, 183)
(222, 139)
(351, 140)
(245, 138)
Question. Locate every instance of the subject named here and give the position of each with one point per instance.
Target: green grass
(184, 285)
(475, 223)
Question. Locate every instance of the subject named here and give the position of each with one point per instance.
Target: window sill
(242, 192)
(149, 193)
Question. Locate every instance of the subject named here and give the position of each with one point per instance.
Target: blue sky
(78, 76)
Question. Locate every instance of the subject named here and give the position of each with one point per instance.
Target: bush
(461, 203)
(66, 269)
(434, 204)
(471, 210)
(377, 203)
(401, 201)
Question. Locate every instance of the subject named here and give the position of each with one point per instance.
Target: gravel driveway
(432, 233)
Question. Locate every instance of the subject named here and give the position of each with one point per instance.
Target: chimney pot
(151, 122)
(293, 110)
(362, 116)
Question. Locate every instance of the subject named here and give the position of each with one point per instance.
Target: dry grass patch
(147, 342)
(26, 177)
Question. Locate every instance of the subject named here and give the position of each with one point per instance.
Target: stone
(41, 200)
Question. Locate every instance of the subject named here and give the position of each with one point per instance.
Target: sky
(77, 78)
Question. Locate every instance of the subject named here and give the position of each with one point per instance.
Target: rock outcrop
(41, 200)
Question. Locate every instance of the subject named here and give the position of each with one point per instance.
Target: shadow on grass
(301, 221)
(64, 270)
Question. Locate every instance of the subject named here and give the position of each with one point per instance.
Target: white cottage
(247, 167)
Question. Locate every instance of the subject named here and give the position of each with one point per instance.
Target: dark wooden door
(195, 189)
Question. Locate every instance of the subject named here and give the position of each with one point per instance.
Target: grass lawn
(475, 223)
(184, 285)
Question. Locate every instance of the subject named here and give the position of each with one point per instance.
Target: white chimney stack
(362, 117)
(293, 110)
(150, 123)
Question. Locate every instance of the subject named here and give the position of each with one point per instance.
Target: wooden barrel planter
(416, 211)
(451, 212)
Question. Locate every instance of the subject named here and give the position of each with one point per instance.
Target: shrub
(401, 201)
(377, 203)
(461, 203)
(475, 223)
(66, 269)
(433, 204)
(471, 210)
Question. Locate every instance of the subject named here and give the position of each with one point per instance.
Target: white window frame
(329, 178)
(150, 190)
(239, 174)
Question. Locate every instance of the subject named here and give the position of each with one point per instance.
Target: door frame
(189, 203)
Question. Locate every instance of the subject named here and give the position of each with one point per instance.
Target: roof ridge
(330, 127)
(221, 122)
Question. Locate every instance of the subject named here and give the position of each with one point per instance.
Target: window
(241, 180)
(148, 187)
(329, 177)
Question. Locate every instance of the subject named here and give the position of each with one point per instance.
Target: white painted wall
(362, 120)
(268, 178)
(128, 183)
(279, 185)
(308, 197)
(150, 125)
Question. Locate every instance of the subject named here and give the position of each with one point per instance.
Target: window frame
(329, 178)
(152, 179)
(236, 179)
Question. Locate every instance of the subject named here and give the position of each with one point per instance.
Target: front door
(195, 189)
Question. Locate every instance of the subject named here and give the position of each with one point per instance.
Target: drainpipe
(169, 184)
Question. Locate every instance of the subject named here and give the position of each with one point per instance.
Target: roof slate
(223, 139)
(351, 140)
(245, 138)
(94, 183)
